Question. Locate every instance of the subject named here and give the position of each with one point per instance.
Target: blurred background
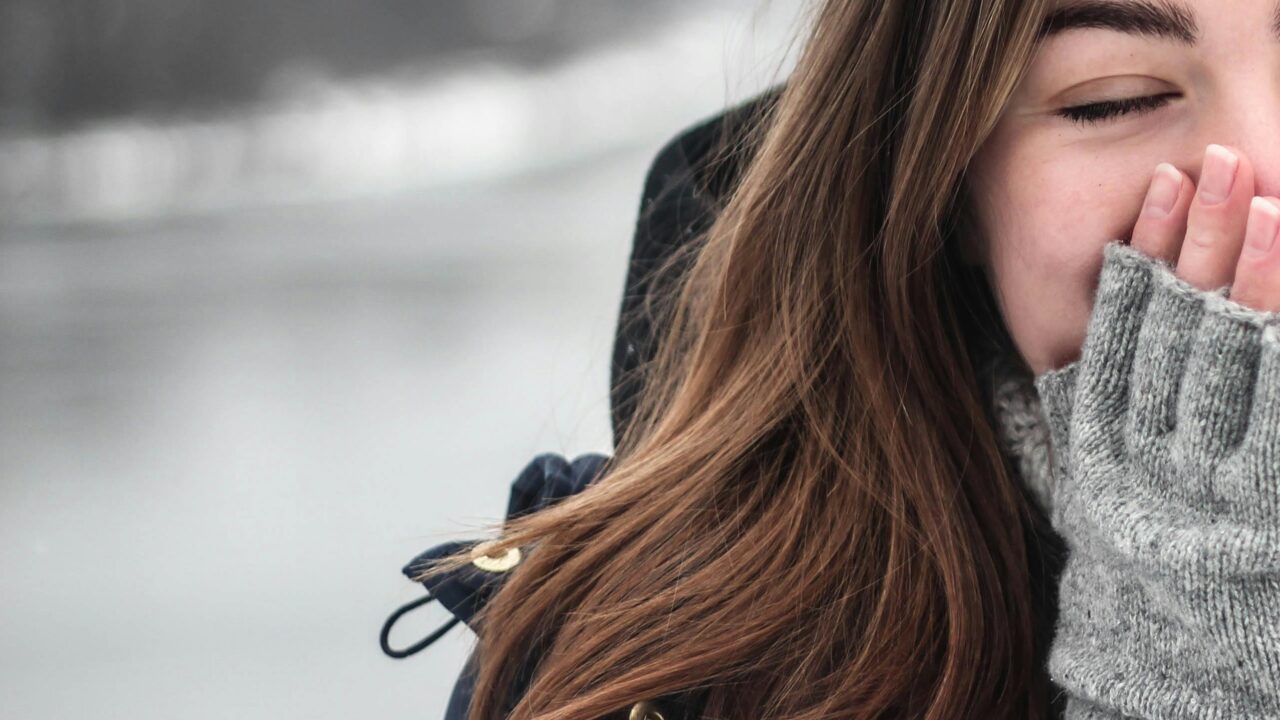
(289, 292)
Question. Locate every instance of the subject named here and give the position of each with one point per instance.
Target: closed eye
(1094, 113)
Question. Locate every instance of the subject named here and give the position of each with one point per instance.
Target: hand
(1166, 434)
(1229, 233)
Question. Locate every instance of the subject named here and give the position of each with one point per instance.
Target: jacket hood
(685, 186)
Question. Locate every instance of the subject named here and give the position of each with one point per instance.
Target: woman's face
(1051, 191)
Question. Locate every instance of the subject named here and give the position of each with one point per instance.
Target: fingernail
(1166, 185)
(1217, 175)
(1264, 221)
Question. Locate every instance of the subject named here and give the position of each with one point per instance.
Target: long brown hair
(809, 515)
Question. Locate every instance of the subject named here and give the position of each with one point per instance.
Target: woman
(991, 263)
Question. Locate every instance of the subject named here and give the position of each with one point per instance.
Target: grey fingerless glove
(1166, 444)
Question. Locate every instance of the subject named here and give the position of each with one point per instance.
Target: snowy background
(288, 294)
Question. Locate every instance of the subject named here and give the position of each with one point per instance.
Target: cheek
(1045, 231)
(1045, 298)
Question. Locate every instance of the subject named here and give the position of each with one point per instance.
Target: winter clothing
(1164, 480)
(684, 185)
(1154, 459)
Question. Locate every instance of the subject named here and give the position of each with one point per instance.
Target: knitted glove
(1166, 443)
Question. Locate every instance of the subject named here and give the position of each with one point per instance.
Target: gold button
(645, 711)
(483, 557)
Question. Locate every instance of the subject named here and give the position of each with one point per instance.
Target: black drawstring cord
(421, 644)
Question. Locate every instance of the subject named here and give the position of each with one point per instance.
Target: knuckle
(1254, 264)
(1254, 284)
(1204, 239)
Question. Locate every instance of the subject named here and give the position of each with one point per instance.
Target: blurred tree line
(67, 61)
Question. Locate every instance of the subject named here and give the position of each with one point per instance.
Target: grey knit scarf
(1019, 422)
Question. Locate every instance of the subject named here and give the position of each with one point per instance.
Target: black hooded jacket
(685, 184)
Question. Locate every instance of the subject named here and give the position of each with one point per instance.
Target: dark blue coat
(682, 188)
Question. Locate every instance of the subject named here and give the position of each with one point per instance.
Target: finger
(1257, 275)
(1217, 218)
(1163, 221)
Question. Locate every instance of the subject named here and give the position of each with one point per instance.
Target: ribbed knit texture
(1157, 457)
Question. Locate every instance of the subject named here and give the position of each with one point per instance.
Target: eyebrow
(1165, 19)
